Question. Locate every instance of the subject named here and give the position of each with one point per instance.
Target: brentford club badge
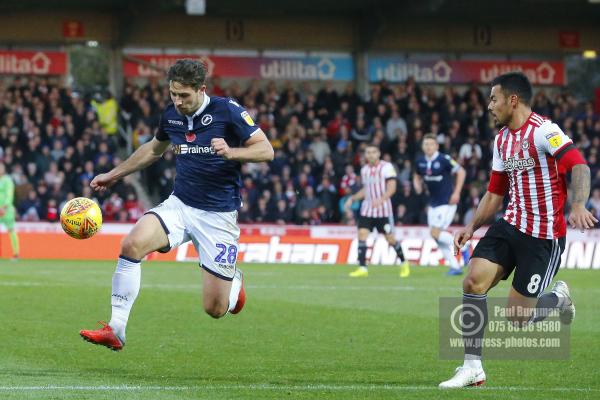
(190, 137)
(525, 145)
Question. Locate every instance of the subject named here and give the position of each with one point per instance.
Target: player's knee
(132, 247)
(472, 286)
(435, 233)
(216, 308)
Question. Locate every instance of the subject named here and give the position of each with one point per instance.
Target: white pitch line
(175, 286)
(125, 388)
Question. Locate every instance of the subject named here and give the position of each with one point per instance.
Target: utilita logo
(38, 64)
(440, 72)
(513, 163)
(298, 69)
(543, 74)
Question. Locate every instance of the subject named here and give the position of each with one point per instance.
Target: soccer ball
(81, 218)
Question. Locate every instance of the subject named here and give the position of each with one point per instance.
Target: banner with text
(325, 245)
(33, 62)
(339, 68)
(394, 69)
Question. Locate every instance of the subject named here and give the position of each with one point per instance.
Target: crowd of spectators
(53, 144)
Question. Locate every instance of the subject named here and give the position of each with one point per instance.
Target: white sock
(125, 288)
(236, 286)
(472, 361)
(446, 242)
(466, 246)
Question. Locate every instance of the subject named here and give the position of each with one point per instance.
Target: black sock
(544, 306)
(398, 248)
(474, 320)
(362, 253)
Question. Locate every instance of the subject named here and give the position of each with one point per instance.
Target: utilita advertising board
(322, 68)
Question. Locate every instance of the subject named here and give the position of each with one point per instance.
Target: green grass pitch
(306, 332)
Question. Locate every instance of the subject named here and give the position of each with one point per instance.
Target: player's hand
(376, 203)
(580, 218)
(102, 182)
(454, 199)
(461, 238)
(221, 148)
(348, 203)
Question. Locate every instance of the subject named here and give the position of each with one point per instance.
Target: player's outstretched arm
(355, 197)
(488, 207)
(580, 217)
(256, 149)
(145, 155)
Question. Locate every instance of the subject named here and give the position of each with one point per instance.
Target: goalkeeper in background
(7, 209)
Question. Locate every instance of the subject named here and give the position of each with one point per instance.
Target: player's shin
(236, 286)
(362, 253)
(474, 321)
(399, 252)
(125, 288)
(14, 242)
(446, 242)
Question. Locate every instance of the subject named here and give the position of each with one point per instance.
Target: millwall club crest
(525, 145)
(206, 119)
(190, 137)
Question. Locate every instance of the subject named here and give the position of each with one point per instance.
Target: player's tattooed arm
(580, 184)
(580, 218)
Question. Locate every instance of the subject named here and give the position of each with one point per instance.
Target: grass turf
(306, 332)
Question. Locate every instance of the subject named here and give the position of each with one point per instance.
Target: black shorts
(383, 224)
(535, 261)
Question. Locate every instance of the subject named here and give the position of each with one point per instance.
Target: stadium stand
(54, 141)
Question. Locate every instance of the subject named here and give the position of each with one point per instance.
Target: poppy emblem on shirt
(190, 137)
(525, 145)
(206, 119)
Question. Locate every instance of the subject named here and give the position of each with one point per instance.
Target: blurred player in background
(210, 137)
(436, 169)
(531, 158)
(7, 209)
(379, 185)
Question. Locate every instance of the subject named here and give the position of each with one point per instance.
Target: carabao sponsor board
(326, 245)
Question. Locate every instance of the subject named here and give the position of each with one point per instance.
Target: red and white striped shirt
(537, 186)
(374, 179)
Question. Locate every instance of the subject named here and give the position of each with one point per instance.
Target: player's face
(501, 107)
(186, 99)
(372, 154)
(430, 146)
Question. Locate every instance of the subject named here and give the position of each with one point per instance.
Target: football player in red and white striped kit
(531, 158)
(379, 185)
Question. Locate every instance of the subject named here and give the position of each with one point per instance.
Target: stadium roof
(571, 10)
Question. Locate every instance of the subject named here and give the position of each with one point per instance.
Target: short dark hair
(188, 72)
(515, 83)
(372, 144)
(430, 136)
